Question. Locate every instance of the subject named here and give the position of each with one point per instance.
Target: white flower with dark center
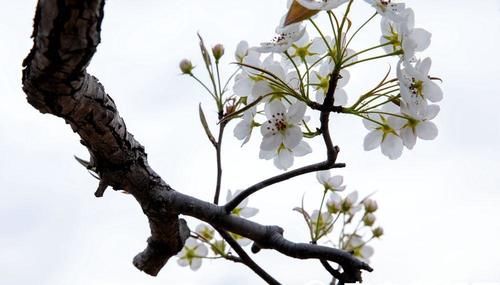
(284, 38)
(282, 136)
(416, 86)
(241, 210)
(192, 253)
(320, 81)
(321, 4)
(282, 126)
(333, 183)
(385, 8)
(243, 129)
(384, 133)
(418, 125)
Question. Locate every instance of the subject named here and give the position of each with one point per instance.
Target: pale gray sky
(438, 203)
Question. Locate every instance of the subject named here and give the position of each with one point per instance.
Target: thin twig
(246, 259)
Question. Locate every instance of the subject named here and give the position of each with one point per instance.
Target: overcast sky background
(439, 204)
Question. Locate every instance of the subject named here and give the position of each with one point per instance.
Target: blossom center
(277, 123)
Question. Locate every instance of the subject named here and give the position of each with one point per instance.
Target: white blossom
(241, 210)
(243, 130)
(333, 183)
(384, 133)
(320, 80)
(192, 253)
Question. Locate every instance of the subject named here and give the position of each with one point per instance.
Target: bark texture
(66, 34)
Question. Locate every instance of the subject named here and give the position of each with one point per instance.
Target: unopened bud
(218, 51)
(370, 205)
(186, 66)
(369, 219)
(378, 232)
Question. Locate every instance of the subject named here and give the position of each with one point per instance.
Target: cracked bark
(66, 34)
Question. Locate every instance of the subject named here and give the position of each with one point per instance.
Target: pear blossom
(384, 133)
(320, 80)
(263, 87)
(348, 203)
(321, 4)
(321, 223)
(205, 231)
(284, 38)
(334, 203)
(358, 247)
(419, 125)
(241, 210)
(416, 86)
(404, 36)
(243, 241)
(387, 9)
(192, 253)
(305, 50)
(333, 183)
(282, 125)
(246, 79)
(243, 129)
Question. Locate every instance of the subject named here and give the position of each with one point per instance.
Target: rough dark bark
(66, 34)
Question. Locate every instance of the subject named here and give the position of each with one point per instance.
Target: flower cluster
(346, 222)
(405, 116)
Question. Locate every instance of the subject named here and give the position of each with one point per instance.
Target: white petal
(344, 78)
(183, 262)
(408, 137)
(260, 89)
(293, 136)
(431, 112)
(274, 107)
(248, 212)
(191, 243)
(426, 130)
(336, 180)
(432, 91)
(201, 250)
(323, 176)
(302, 149)
(270, 142)
(340, 97)
(392, 146)
(422, 38)
(372, 140)
(296, 112)
(284, 160)
(243, 241)
(195, 264)
(267, 154)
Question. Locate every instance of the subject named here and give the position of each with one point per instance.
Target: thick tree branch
(66, 34)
